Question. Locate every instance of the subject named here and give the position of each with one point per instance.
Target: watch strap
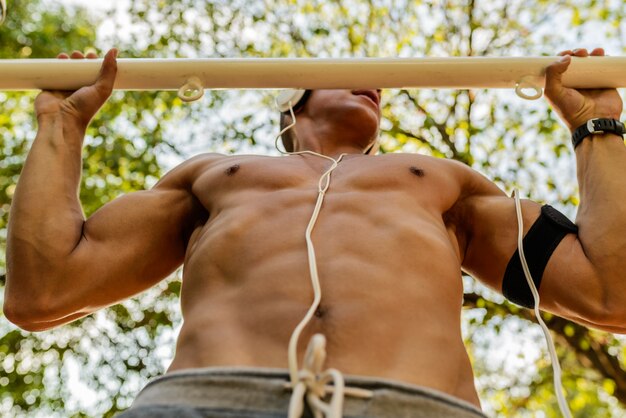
(597, 126)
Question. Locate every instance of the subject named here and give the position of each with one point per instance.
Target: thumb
(554, 75)
(108, 72)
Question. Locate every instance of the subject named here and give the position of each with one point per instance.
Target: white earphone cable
(556, 367)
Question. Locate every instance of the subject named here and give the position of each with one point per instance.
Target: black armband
(539, 244)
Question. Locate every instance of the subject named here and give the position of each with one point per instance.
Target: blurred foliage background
(95, 366)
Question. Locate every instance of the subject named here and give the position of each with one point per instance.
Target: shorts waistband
(263, 390)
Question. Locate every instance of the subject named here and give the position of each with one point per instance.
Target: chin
(356, 116)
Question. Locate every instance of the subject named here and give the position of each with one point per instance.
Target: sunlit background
(95, 366)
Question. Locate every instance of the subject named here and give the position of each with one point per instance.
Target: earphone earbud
(285, 97)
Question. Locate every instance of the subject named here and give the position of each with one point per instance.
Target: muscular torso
(388, 258)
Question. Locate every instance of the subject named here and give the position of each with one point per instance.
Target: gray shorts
(261, 393)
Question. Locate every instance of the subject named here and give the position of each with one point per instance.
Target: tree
(515, 143)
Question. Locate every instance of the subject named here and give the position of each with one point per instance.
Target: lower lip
(369, 98)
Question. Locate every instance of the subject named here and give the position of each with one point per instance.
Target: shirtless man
(394, 233)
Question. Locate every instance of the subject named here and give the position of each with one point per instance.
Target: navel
(231, 170)
(320, 312)
(417, 171)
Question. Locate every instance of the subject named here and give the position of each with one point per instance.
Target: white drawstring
(311, 383)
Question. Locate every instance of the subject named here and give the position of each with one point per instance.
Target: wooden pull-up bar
(312, 73)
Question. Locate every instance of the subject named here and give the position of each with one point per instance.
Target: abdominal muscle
(390, 279)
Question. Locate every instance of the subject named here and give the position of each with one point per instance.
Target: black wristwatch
(597, 126)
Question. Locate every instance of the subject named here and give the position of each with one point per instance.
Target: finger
(77, 54)
(108, 71)
(598, 52)
(566, 52)
(63, 56)
(581, 52)
(554, 75)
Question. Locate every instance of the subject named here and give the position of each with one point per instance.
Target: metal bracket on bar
(192, 90)
(526, 83)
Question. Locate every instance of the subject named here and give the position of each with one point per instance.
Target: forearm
(46, 217)
(601, 216)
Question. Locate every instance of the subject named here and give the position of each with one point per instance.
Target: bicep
(490, 224)
(569, 286)
(127, 246)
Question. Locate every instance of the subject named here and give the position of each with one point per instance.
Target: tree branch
(396, 130)
(441, 127)
(589, 351)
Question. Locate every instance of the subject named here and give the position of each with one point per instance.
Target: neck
(328, 140)
(333, 152)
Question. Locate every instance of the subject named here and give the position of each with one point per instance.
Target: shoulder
(466, 182)
(472, 183)
(184, 174)
(474, 194)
